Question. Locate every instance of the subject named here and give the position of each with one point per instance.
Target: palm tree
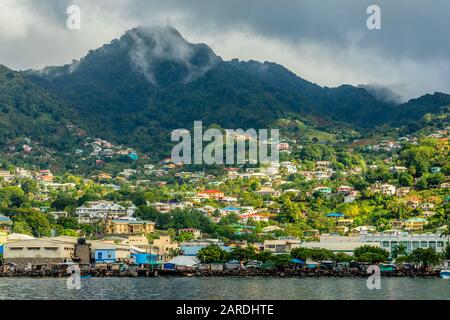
(398, 250)
(425, 257)
(446, 253)
(446, 232)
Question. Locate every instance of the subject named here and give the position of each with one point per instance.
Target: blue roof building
(232, 209)
(5, 223)
(5, 220)
(335, 215)
(133, 156)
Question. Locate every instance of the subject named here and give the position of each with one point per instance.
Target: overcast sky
(324, 41)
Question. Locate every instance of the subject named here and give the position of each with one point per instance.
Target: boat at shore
(445, 274)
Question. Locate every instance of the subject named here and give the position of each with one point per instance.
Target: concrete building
(415, 224)
(140, 241)
(38, 251)
(211, 194)
(337, 244)
(191, 248)
(195, 232)
(163, 247)
(130, 226)
(95, 211)
(389, 241)
(281, 245)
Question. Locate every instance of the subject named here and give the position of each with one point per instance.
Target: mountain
(417, 108)
(29, 112)
(136, 89)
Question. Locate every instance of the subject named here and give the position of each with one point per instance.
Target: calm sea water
(224, 288)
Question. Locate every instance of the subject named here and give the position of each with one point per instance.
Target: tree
(446, 232)
(264, 256)
(342, 257)
(29, 185)
(425, 257)
(436, 179)
(12, 197)
(301, 253)
(371, 257)
(370, 254)
(138, 199)
(185, 236)
(63, 201)
(174, 252)
(68, 222)
(321, 254)
(212, 254)
(446, 253)
(398, 250)
(68, 232)
(36, 220)
(403, 259)
(243, 254)
(406, 180)
(281, 260)
(289, 210)
(22, 227)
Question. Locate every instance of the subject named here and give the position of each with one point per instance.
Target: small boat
(86, 277)
(445, 274)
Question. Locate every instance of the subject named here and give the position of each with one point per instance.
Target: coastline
(226, 274)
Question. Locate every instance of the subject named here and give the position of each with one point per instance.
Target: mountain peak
(164, 56)
(156, 31)
(158, 54)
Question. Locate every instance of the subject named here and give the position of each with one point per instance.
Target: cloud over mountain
(326, 42)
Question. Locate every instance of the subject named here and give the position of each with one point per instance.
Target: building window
(440, 244)
(386, 244)
(415, 244)
(433, 245)
(424, 244)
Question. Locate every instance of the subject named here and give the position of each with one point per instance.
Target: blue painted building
(144, 258)
(105, 255)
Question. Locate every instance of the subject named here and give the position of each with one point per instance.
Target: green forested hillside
(28, 111)
(138, 88)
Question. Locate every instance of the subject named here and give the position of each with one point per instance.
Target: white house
(94, 211)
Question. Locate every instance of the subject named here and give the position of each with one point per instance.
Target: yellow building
(3, 237)
(164, 246)
(415, 224)
(344, 222)
(138, 240)
(130, 226)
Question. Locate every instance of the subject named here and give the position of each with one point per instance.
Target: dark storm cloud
(325, 41)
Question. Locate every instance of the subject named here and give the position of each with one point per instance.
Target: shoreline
(225, 274)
